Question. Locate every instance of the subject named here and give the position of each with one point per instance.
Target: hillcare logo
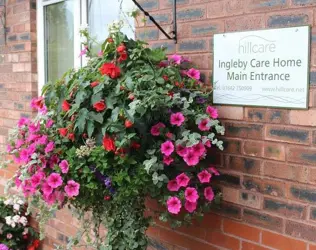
(255, 45)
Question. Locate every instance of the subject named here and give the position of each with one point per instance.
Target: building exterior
(269, 165)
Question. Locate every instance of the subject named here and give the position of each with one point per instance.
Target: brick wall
(269, 165)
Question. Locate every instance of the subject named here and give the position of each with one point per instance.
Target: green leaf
(115, 114)
(81, 96)
(98, 88)
(98, 117)
(160, 80)
(82, 118)
(129, 83)
(90, 128)
(96, 97)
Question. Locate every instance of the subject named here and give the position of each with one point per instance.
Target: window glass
(103, 12)
(59, 39)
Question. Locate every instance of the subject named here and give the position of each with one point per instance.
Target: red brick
(255, 114)
(286, 171)
(299, 117)
(277, 116)
(251, 246)
(244, 23)
(275, 151)
(301, 155)
(265, 5)
(216, 9)
(241, 230)
(253, 148)
(222, 240)
(232, 113)
(243, 164)
(288, 134)
(280, 242)
(244, 130)
(249, 199)
(300, 230)
(232, 146)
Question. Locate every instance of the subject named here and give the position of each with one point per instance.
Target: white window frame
(79, 19)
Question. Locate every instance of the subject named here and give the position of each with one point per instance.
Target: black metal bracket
(174, 32)
(3, 21)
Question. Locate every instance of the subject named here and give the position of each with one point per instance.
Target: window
(58, 31)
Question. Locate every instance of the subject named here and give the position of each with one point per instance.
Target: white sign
(262, 68)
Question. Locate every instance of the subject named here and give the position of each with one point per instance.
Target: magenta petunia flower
(60, 196)
(34, 128)
(182, 180)
(54, 180)
(209, 194)
(100, 53)
(190, 206)
(194, 73)
(32, 148)
(17, 182)
(50, 199)
(175, 58)
(191, 158)
(72, 188)
(36, 180)
(167, 160)
(204, 176)
(23, 121)
(64, 166)
(155, 130)
(213, 113)
(177, 119)
(208, 144)
(204, 125)
(191, 194)
(4, 247)
(173, 186)
(24, 155)
(49, 123)
(174, 205)
(32, 137)
(47, 189)
(42, 140)
(198, 149)
(181, 150)
(167, 148)
(19, 143)
(9, 148)
(214, 170)
(50, 147)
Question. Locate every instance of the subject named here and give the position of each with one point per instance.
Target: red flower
(110, 40)
(36, 243)
(120, 49)
(94, 84)
(165, 77)
(170, 93)
(107, 198)
(31, 247)
(110, 70)
(123, 57)
(122, 88)
(99, 106)
(71, 136)
(65, 106)
(63, 131)
(131, 96)
(85, 135)
(128, 124)
(135, 145)
(108, 143)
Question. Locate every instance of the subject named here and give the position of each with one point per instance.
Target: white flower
(8, 220)
(8, 202)
(26, 231)
(20, 202)
(23, 220)
(16, 218)
(13, 225)
(115, 26)
(16, 207)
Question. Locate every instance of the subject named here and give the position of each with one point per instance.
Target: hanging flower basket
(131, 124)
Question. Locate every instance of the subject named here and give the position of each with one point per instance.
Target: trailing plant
(133, 123)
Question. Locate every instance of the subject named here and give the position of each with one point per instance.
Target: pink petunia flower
(53, 161)
(191, 194)
(60, 196)
(9, 148)
(32, 137)
(190, 206)
(34, 128)
(84, 51)
(47, 189)
(214, 170)
(155, 130)
(100, 53)
(194, 74)
(49, 123)
(54, 180)
(17, 182)
(50, 199)
(209, 194)
(23, 121)
(19, 143)
(167, 148)
(42, 140)
(36, 180)
(208, 144)
(64, 166)
(191, 158)
(72, 188)
(32, 148)
(173, 186)
(50, 147)
(204, 125)
(24, 155)
(175, 58)
(167, 160)
(181, 150)
(182, 180)
(213, 113)
(204, 176)
(37, 103)
(177, 119)
(174, 205)
(198, 149)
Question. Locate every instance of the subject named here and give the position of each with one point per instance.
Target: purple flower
(201, 100)
(3, 247)
(194, 74)
(107, 182)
